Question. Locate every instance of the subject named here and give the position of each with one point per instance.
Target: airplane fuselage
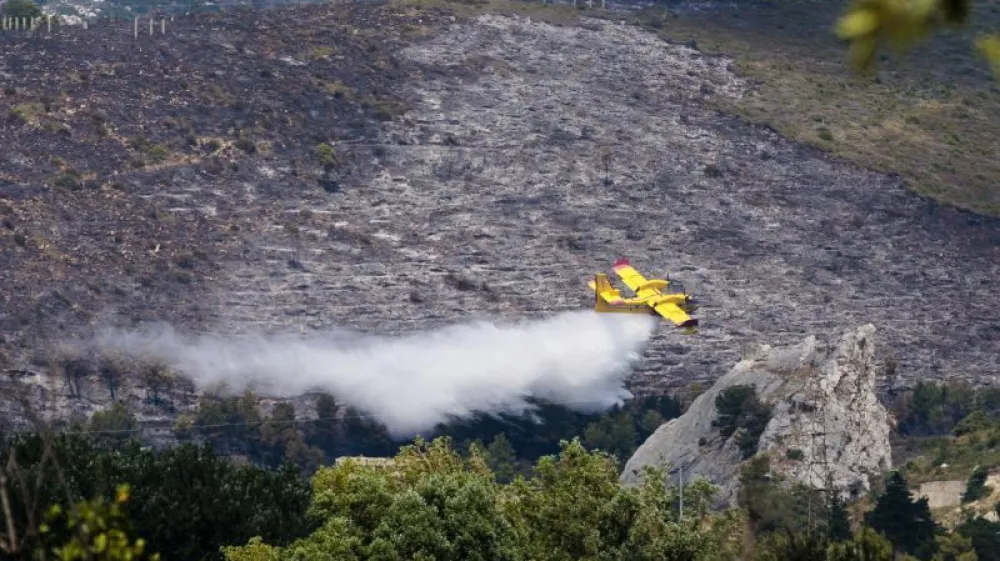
(653, 301)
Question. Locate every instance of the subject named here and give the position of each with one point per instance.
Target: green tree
(282, 440)
(431, 503)
(189, 501)
(185, 501)
(953, 546)
(116, 422)
(838, 526)
(973, 422)
(739, 409)
(867, 545)
(906, 522)
(772, 507)
(975, 487)
(985, 537)
(323, 432)
(232, 425)
(614, 434)
(502, 458)
(365, 436)
(932, 408)
(791, 546)
(649, 422)
(92, 530)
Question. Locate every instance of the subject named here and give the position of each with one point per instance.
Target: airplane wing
(635, 281)
(674, 313)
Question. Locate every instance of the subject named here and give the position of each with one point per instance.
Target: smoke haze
(410, 383)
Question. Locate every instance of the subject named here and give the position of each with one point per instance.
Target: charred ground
(108, 142)
(391, 168)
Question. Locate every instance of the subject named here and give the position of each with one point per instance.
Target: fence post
(49, 22)
(163, 26)
(150, 25)
(136, 27)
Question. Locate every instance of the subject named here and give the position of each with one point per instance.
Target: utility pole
(810, 512)
(681, 477)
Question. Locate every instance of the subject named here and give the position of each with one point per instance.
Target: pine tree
(905, 522)
(976, 487)
(502, 458)
(838, 525)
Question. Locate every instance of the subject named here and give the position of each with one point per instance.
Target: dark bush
(739, 409)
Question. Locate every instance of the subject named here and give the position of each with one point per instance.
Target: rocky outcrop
(827, 427)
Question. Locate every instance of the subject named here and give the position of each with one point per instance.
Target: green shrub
(739, 409)
(976, 488)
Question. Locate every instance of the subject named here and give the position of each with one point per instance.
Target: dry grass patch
(931, 117)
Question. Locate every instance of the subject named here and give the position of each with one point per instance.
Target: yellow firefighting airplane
(650, 298)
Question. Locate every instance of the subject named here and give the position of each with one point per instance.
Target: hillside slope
(187, 178)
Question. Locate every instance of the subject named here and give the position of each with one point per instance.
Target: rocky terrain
(823, 410)
(391, 168)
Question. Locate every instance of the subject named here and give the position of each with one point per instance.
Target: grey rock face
(823, 404)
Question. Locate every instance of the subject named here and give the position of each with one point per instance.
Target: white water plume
(410, 383)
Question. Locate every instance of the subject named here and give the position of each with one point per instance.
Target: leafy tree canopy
(739, 409)
(185, 501)
(431, 503)
(906, 522)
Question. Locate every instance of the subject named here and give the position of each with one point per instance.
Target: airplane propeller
(690, 301)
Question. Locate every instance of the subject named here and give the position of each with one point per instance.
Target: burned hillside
(115, 146)
(395, 168)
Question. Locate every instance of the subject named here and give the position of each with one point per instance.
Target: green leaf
(989, 47)
(857, 24)
(101, 543)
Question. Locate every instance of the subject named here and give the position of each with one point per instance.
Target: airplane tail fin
(599, 285)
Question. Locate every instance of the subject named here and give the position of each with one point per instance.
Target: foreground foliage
(184, 501)
(97, 529)
(431, 503)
